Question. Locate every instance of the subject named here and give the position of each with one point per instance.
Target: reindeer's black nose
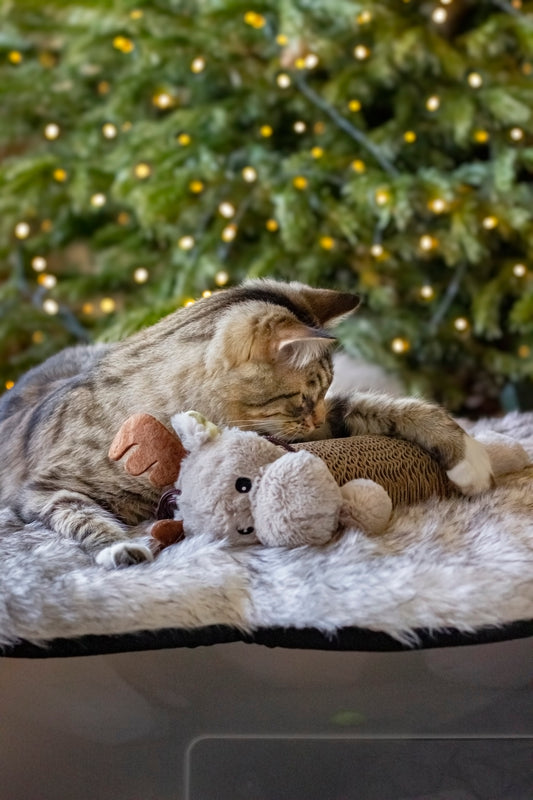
(245, 531)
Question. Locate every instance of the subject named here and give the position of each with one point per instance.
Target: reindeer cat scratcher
(233, 484)
(457, 566)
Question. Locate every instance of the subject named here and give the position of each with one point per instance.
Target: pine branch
(514, 12)
(447, 300)
(70, 322)
(345, 125)
(225, 248)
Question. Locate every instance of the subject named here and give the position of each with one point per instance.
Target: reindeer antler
(155, 449)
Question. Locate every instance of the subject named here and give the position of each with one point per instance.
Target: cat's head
(270, 356)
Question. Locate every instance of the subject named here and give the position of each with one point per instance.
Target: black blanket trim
(346, 639)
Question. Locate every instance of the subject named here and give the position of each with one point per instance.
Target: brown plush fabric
(150, 448)
(167, 531)
(407, 472)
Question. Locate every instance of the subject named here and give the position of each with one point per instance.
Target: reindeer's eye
(243, 485)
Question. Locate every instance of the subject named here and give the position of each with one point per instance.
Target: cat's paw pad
(123, 554)
(473, 474)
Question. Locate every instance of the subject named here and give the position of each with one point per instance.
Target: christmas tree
(155, 151)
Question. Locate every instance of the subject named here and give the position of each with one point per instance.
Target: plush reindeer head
(230, 483)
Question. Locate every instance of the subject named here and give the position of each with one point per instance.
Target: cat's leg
(74, 515)
(465, 460)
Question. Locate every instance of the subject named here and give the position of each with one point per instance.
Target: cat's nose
(245, 531)
(317, 417)
(310, 423)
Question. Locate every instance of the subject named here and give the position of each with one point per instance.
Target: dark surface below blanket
(346, 639)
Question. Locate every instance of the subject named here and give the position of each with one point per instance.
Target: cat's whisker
(281, 428)
(246, 424)
(294, 435)
(260, 422)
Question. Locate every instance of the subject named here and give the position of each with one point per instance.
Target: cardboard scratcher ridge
(407, 472)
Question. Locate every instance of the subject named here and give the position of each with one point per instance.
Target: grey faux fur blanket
(460, 563)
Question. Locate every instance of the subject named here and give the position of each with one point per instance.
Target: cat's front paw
(123, 554)
(473, 473)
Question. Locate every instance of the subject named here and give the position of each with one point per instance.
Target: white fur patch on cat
(473, 474)
(123, 554)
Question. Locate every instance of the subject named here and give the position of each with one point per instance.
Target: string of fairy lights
(295, 59)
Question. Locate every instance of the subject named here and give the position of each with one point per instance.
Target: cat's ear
(299, 345)
(328, 305)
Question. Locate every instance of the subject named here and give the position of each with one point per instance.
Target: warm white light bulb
(52, 131)
(490, 222)
(475, 80)
(427, 242)
(399, 345)
(38, 264)
(439, 15)
(186, 243)
(229, 233)
(50, 306)
(48, 281)
(438, 205)
(109, 130)
(381, 197)
(226, 210)
(361, 52)
(22, 230)
(516, 134)
(221, 278)
(98, 200)
(163, 100)
(198, 65)
(249, 174)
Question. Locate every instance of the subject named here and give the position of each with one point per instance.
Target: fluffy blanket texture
(460, 562)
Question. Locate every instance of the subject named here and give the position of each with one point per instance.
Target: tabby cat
(257, 356)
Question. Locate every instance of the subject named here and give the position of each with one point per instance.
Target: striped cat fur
(258, 356)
